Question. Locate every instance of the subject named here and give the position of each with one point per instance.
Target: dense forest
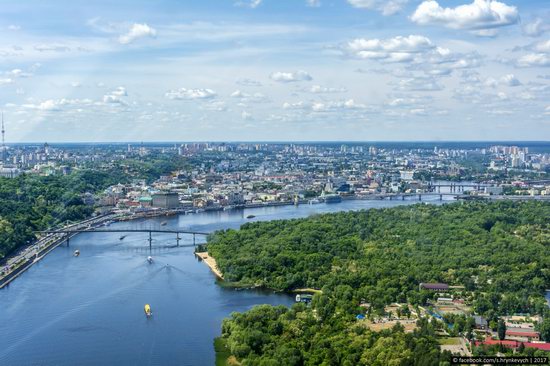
(499, 252)
(32, 202)
(273, 336)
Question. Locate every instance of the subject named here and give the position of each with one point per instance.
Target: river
(88, 310)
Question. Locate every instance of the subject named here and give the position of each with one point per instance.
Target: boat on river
(147, 310)
(163, 223)
(122, 237)
(150, 259)
(76, 253)
(250, 216)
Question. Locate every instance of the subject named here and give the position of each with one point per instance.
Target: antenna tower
(3, 139)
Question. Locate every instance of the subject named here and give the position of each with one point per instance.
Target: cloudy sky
(214, 70)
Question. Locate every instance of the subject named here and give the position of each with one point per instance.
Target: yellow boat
(148, 310)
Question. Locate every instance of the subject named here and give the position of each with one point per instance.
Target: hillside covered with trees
(499, 252)
(33, 202)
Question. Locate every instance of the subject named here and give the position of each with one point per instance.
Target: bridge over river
(71, 232)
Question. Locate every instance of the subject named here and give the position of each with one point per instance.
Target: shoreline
(211, 263)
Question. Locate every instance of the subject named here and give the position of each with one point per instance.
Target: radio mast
(3, 140)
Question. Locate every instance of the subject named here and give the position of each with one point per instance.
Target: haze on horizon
(275, 70)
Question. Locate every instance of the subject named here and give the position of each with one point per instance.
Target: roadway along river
(88, 310)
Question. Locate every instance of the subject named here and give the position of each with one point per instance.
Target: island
(408, 285)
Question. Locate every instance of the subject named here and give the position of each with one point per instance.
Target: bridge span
(71, 232)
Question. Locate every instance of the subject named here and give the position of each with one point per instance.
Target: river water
(88, 310)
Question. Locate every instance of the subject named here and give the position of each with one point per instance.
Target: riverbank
(211, 263)
(18, 264)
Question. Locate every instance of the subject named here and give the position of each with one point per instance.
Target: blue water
(88, 310)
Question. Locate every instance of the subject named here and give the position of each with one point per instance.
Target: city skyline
(265, 70)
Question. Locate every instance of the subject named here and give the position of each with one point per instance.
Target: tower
(3, 140)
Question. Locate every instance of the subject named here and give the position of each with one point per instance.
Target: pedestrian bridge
(71, 232)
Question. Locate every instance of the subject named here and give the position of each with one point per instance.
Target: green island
(492, 258)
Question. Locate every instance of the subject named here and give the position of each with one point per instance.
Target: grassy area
(223, 356)
(449, 341)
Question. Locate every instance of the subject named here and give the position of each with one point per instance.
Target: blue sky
(275, 70)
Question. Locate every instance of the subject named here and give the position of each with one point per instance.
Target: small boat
(150, 259)
(76, 253)
(163, 223)
(250, 216)
(122, 237)
(147, 310)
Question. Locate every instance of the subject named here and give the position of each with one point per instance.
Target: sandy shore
(210, 262)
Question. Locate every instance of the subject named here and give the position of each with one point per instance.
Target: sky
(275, 70)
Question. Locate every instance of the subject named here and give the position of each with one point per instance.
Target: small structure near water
(305, 298)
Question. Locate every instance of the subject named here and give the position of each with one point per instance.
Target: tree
(501, 329)
(544, 327)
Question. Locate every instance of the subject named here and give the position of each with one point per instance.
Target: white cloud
(249, 4)
(55, 105)
(480, 14)
(542, 46)
(488, 33)
(183, 93)
(510, 80)
(296, 105)
(419, 84)
(536, 27)
(534, 59)
(397, 49)
(246, 116)
(418, 52)
(14, 27)
(5, 81)
(112, 99)
(288, 77)
(388, 7)
(17, 73)
(120, 92)
(318, 89)
(137, 31)
(248, 82)
(246, 97)
(216, 106)
(332, 106)
(313, 3)
(539, 55)
(51, 48)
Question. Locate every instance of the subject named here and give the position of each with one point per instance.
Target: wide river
(88, 310)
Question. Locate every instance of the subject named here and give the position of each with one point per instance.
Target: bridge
(418, 196)
(71, 232)
(458, 187)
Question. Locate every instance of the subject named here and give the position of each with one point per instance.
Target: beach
(210, 262)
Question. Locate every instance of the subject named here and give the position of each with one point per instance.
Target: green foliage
(501, 329)
(544, 327)
(31, 202)
(268, 335)
(499, 251)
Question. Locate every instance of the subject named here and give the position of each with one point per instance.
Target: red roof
(515, 344)
(522, 334)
